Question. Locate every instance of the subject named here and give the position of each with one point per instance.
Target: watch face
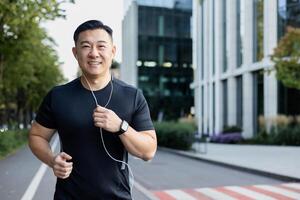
(124, 126)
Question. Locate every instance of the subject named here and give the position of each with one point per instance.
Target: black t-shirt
(68, 109)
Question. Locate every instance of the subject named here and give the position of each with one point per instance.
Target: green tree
(28, 64)
(286, 58)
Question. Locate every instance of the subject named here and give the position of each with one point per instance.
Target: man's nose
(94, 52)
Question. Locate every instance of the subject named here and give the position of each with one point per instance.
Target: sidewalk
(275, 161)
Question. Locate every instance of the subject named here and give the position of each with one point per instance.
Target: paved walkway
(277, 161)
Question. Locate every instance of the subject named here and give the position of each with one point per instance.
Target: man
(91, 115)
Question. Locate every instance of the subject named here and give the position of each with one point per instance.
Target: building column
(206, 63)
(197, 61)
(211, 64)
(219, 4)
(248, 109)
(270, 42)
(231, 101)
(232, 59)
(205, 108)
(248, 105)
(128, 69)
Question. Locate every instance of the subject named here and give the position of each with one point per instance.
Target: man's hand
(62, 168)
(106, 119)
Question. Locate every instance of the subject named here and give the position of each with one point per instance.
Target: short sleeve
(45, 115)
(141, 120)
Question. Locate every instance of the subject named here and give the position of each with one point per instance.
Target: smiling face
(94, 52)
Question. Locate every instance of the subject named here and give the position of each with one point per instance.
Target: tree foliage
(286, 58)
(29, 66)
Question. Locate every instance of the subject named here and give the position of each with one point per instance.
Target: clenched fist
(61, 168)
(106, 119)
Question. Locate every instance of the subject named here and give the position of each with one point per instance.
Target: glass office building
(233, 41)
(157, 43)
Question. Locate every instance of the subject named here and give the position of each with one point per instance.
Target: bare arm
(141, 144)
(39, 138)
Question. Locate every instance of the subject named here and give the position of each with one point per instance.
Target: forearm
(41, 149)
(140, 144)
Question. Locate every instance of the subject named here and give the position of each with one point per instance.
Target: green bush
(177, 135)
(286, 135)
(280, 135)
(11, 140)
(261, 138)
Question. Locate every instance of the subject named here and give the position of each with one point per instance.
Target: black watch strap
(123, 127)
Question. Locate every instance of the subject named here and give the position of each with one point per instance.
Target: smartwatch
(123, 127)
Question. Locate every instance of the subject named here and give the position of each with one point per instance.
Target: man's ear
(74, 52)
(114, 49)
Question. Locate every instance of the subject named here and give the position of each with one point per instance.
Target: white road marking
(280, 191)
(249, 193)
(35, 182)
(178, 194)
(293, 185)
(214, 194)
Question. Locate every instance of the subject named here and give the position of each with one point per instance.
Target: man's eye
(85, 46)
(101, 46)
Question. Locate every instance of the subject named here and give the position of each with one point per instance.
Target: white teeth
(94, 63)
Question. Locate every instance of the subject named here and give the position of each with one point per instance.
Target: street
(166, 176)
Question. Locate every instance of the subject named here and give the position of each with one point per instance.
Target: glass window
(258, 99)
(258, 29)
(240, 32)
(288, 15)
(239, 101)
(225, 104)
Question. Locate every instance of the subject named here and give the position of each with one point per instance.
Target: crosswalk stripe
(214, 194)
(280, 191)
(290, 188)
(286, 191)
(164, 196)
(178, 194)
(271, 194)
(249, 193)
(292, 185)
(234, 194)
(196, 194)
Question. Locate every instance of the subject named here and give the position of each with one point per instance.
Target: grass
(12, 140)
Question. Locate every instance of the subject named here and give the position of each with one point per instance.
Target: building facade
(157, 54)
(234, 82)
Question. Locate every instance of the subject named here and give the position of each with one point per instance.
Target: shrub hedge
(176, 135)
(11, 140)
(281, 135)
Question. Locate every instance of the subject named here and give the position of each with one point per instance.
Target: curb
(233, 166)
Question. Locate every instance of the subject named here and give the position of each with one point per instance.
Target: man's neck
(96, 83)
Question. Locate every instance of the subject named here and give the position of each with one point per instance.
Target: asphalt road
(170, 171)
(165, 171)
(19, 169)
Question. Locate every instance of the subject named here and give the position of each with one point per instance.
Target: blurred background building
(157, 54)
(232, 44)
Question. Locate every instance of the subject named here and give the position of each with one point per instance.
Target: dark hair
(91, 25)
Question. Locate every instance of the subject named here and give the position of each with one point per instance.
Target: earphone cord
(131, 177)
